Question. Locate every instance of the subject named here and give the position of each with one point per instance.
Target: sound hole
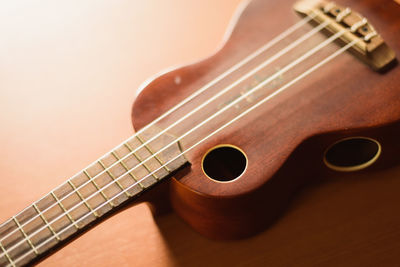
(352, 154)
(224, 163)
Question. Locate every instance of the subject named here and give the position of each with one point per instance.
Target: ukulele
(281, 104)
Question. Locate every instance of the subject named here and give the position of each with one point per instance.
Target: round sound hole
(224, 163)
(352, 154)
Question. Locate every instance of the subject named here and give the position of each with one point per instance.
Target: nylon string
(309, 53)
(281, 89)
(243, 96)
(203, 89)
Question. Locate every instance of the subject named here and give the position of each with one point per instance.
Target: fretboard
(121, 175)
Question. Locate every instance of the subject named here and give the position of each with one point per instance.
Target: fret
(117, 174)
(123, 164)
(73, 202)
(108, 184)
(166, 147)
(65, 210)
(135, 167)
(113, 177)
(7, 255)
(83, 199)
(90, 193)
(97, 187)
(56, 217)
(14, 241)
(36, 231)
(26, 236)
(46, 222)
(141, 161)
(152, 153)
(110, 181)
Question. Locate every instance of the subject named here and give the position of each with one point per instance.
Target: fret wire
(83, 199)
(206, 87)
(6, 254)
(46, 222)
(65, 210)
(113, 177)
(125, 144)
(257, 105)
(97, 187)
(127, 169)
(140, 160)
(25, 235)
(152, 153)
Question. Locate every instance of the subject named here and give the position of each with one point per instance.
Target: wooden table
(68, 76)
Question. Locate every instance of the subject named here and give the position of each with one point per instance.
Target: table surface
(68, 77)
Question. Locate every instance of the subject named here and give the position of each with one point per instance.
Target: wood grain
(349, 221)
(285, 138)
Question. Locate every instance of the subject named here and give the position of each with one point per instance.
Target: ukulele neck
(119, 176)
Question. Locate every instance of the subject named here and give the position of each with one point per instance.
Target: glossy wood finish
(349, 221)
(292, 135)
(82, 110)
(88, 197)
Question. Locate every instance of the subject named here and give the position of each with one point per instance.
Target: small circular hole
(352, 154)
(224, 163)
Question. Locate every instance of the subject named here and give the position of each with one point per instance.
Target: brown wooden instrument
(290, 98)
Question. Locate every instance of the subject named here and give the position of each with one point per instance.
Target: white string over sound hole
(236, 174)
(224, 163)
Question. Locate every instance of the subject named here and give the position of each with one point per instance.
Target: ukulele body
(285, 141)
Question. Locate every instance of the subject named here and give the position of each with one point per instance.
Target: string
(291, 65)
(305, 56)
(281, 89)
(201, 90)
